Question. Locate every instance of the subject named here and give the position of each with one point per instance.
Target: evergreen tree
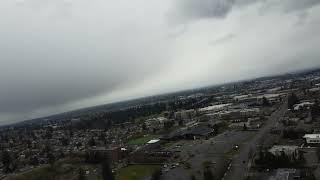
(6, 161)
(315, 110)
(180, 122)
(144, 126)
(51, 159)
(192, 177)
(156, 175)
(292, 100)
(265, 102)
(81, 174)
(245, 127)
(106, 171)
(207, 174)
(91, 142)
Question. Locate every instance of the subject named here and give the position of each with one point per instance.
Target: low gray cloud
(222, 39)
(48, 60)
(190, 10)
(185, 10)
(66, 54)
(297, 5)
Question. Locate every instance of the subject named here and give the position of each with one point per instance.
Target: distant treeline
(107, 119)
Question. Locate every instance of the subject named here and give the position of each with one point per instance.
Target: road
(240, 163)
(212, 150)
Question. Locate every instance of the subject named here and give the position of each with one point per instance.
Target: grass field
(142, 140)
(67, 172)
(36, 174)
(62, 170)
(136, 172)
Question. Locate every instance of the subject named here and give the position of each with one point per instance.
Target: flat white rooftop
(215, 107)
(311, 136)
(153, 141)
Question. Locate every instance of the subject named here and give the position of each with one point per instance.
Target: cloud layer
(188, 10)
(61, 55)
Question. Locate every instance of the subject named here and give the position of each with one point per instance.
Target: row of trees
(268, 160)
(292, 100)
(293, 133)
(106, 119)
(8, 162)
(315, 110)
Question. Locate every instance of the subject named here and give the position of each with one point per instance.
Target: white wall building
(155, 123)
(185, 114)
(312, 138)
(215, 108)
(303, 105)
(277, 150)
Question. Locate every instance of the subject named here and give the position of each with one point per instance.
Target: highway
(239, 165)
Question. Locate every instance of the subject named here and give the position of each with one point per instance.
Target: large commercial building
(312, 138)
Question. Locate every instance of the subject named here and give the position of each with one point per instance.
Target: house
(149, 157)
(156, 123)
(185, 114)
(153, 141)
(244, 98)
(208, 117)
(286, 174)
(276, 130)
(291, 151)
(236, 113)
(272, 98)
(249, 112)
(197, 132)
(313, 90)
(302, 106)
(214, 108)
(150, 153)
(312, 138)
(100, 153)
(237, 124)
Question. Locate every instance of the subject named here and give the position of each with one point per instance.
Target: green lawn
(142, 140)
(60, 170)
(136, 172)
(36, 174)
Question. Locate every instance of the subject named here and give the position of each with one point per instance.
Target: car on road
(236, 147)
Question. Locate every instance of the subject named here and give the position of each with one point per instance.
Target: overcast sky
(61, 55)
